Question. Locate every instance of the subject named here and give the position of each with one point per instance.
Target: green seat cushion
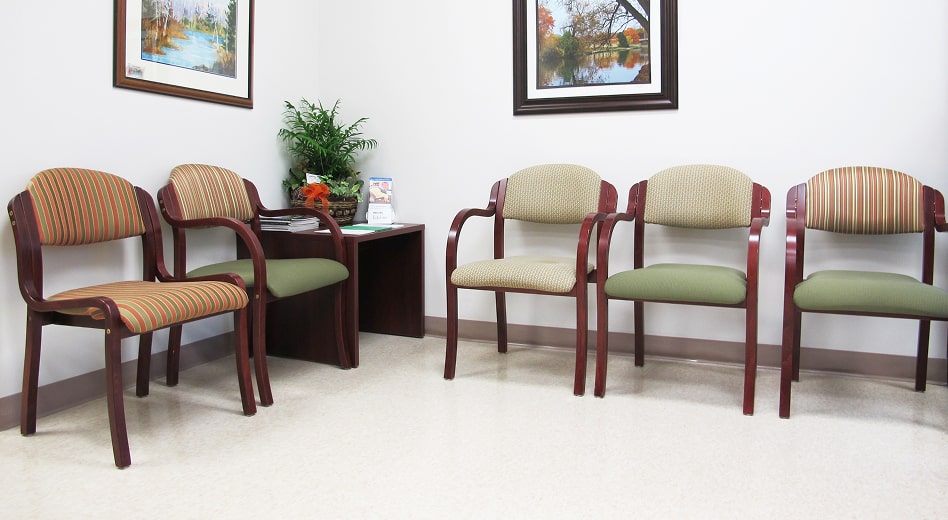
(680, 282)
(871, 292)
(540, 273)
(285, 277)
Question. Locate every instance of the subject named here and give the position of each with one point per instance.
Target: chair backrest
(864, 200)
(206, 191)
(79, 206)
(552, 194)
(701, 196)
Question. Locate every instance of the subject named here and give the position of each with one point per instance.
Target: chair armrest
(324, 218)
(454, 234)
(585, 236)
(940, 223)
(604, 242)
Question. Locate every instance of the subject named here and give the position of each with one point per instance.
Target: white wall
(780, 92)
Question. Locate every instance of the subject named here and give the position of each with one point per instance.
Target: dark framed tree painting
(594, 55)
(198, 49)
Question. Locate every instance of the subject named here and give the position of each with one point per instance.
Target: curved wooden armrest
(940, 223)
(325, 219)
(455, 232)
(585, 235)
(604, 242)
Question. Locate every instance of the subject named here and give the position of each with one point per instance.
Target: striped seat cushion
(206, 191)
(864, 200)
(79, 206)
(540, 273)
(147, 306)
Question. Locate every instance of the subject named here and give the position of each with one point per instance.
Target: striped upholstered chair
(860, 200)
(201, 196)
(70, 207)
(697, 197)
(554, 194)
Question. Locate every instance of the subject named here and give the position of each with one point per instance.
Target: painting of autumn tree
(592, 42)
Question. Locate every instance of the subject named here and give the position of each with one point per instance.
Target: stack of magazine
(288, 223)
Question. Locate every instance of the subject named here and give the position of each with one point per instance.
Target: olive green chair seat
(700, 198)
(870, 293)
(872, 202)
(285, 277)
(699, 284)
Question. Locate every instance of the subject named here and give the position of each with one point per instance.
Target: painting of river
(193, 34)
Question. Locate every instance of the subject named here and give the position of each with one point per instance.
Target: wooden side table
(385, 292)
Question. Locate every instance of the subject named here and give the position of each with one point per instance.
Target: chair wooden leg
(501, 303)
(113, 393)
(638, 321)
(258, 342)
(174, 356)
(921, 359)
(602, 344)
(244, 381)
(144, 365)
(797, 321)
(582, 340)
(31, 365)
(338, 312)
(789, 352)
(451, 343)
(750, 361)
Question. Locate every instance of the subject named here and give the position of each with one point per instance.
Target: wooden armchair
(200, 196)
(701, 197)
(72, 207)
(553, 194)
(860, 200)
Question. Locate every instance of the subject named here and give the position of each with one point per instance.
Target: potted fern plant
(323, 146)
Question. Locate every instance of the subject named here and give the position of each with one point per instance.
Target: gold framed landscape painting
(594, 55)
(198, 49)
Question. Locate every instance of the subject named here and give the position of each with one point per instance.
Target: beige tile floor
(505, 439)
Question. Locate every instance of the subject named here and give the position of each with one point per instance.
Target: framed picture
(198, 49)
(594, 55)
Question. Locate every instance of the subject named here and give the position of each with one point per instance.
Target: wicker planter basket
(342, 211)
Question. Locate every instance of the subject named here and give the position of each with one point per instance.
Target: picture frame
(203, 52)
(540, 85)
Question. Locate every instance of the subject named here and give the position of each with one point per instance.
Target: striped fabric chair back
(700, 196)
(79, 206)
(864, 200)
(210, 191)
(552, 194)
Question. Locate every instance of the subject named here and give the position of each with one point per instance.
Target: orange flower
(316, 191)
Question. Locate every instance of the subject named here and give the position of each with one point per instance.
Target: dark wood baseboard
(86, 387)
(884, 366)
(76, 390)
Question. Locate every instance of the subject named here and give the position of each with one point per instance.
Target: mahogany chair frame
(760, 217)
(933, 203)
(495, 209)
(249, 233)
(42, 312)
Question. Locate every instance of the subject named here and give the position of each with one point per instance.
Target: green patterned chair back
(864, 200)
(700, 196)
(206, 191)
(552, 194)
(78, 206)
